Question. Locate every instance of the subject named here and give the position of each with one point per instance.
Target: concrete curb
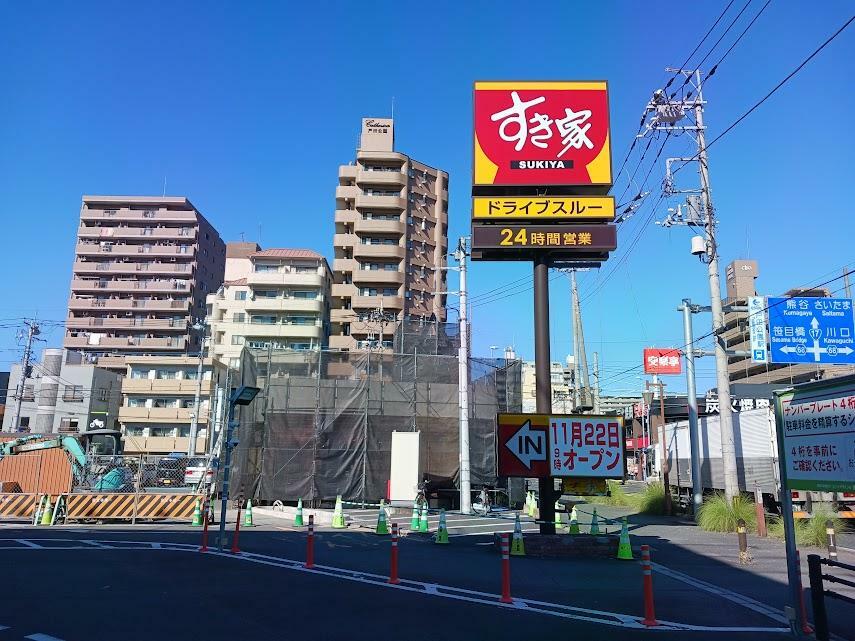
(289, 513)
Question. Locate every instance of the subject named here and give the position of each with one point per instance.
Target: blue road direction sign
(811, 330)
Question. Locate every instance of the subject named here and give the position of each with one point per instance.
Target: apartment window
(147, 231)
(148, 213)
(184, 249)
(240, 295)
(300, 346)
(304, 269)
(67, 424)
(29, 393)
(238, 340)
(261, 267)
(265, 293)
(161, 403)
(190, 374)
(136, 402)
(110, 212)
(166, 374)
(184, 231)
(368, 291)
(73, 393)
(238, 317)
(103, 394)
(135, 431)
(308, 294)
(390, 291)
(263, 320)
(302, 320)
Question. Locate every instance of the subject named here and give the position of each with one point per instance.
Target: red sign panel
(662, 361)
(523, 444)
(542, 133)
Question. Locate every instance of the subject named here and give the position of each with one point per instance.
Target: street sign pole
(692, 404)
(543, 382)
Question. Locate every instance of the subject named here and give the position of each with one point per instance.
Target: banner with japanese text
(542, 133)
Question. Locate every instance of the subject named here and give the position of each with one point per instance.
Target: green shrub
(651, 500)
(809, 532)
(719, 515)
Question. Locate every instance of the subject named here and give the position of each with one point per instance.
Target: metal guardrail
(819, 592)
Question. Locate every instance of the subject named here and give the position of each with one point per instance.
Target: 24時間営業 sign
(542, 133)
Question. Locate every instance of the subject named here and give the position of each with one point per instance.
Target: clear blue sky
(249, 108)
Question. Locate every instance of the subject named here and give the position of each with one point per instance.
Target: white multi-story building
(277, 298)
(562, 386)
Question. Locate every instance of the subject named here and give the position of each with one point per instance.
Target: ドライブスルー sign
(541, 445)
(542, 133)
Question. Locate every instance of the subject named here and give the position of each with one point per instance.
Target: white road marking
(461, 594)
(27, 543)
(4, 627)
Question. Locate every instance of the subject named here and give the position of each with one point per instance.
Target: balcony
(347, 192)
(347, 216)
(341, 342)
(160, 444)
(342, 316)
(160, 415)
(139, 215)
(285, 305)
(106, 323)
(129, 303)
(374, 302)
(124, 249)
(345, 265)
(278, 330)
(378, 276)
(344, 240)
(148, 267)
(155, 233)
(123, 343)
(378, 251)
(341, 290)
(163, 386)
(382, 178)
(347, 172)
(380, 226)
(128, 286)
(286, 279)
(368, 156)
(364, 201)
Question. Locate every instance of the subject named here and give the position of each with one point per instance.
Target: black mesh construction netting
(322, 425)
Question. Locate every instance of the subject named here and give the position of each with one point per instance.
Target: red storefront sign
(662, 361)
(542, 133)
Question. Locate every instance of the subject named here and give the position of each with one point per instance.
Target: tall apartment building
(276, 297)
(391, 236)
(740, 277)
(142, 269)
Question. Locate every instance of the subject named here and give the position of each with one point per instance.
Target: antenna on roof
(164, 186)
(393, 107)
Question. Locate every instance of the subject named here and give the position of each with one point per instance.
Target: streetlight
(243, 395)
(493, 348)
(648, 399)
(201, 327)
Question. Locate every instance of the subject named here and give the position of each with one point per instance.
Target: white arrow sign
(528, 445)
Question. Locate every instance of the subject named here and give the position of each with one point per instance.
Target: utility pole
(32, 331)
(543, 381)
(583, 400)
(663, 445)
(692, 403)
(199, 326)
(667, 112)
(460, 255)
(846, 287)
(596, 383)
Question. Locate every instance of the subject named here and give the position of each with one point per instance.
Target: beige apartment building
(273, 298)
(142, 269)
(159, 394)
(740, 277)
(391, 237)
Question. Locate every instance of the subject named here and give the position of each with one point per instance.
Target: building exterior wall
(158, 402)
(142, 269)
(281, 302)
(562, 389)
(391, 234)
(65, 395)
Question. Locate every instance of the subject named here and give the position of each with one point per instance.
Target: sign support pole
(543, 383)
(793, 574)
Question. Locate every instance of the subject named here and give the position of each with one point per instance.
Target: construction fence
(322, 425)
(103, 487)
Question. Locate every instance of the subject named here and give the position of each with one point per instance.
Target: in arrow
(528, 445)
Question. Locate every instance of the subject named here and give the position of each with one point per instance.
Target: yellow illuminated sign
(544, 208)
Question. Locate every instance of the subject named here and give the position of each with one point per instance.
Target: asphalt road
(106, 583)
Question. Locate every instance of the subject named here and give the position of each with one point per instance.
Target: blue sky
(249, 108)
